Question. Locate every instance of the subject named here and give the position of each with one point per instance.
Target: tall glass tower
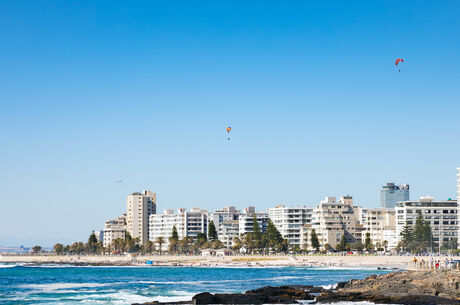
(391, 193)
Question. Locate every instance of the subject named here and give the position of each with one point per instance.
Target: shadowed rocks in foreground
(409, 287)
(264, 295)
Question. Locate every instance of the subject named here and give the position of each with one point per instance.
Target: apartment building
(390, 194)
(246, 220)
(441, 215)
(331, 219)
(289, 221)
(381, 226)
(187, 224)
(139, 206)
(114, 229)
(228, 230)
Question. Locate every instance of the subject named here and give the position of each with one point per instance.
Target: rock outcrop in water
(409, 287)
(264, 295)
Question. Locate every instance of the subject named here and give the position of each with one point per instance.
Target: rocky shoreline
(408, 287)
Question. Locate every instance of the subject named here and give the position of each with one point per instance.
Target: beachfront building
(441, 215)
(139, 207)
(289, 221)
(331, 220)
(246, 220)
(114, 229)
(226, 222)
(188, 223)
(228, 230)
(381, 226)
(390, 194)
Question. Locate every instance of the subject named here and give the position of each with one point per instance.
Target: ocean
(54, 284)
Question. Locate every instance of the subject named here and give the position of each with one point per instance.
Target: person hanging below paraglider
(399, 60)
(228, 132)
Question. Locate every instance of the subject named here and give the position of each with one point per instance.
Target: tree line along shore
(417, 241)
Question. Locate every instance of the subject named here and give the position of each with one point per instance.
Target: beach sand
(359, 261)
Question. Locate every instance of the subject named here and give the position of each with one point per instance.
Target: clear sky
(97, 91)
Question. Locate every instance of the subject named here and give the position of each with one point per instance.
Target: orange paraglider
(228, 132)
(399, 60)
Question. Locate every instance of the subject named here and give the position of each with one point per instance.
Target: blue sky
(143, 91)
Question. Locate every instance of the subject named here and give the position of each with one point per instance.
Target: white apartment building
(289, 221)
(333, 218)
(226, 223)
(246, 220)
(114, 229)
(441, 215)
(228, 230)
(381, 226)
(139, 206)
(187, 224)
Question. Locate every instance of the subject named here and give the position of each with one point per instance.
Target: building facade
(390, 194)
(139, 207)
(441, 215)
(380, 224)
(114, 229)
(187, 224)
(246, 220)
(331, 220)
(289, 221)
(228, 230)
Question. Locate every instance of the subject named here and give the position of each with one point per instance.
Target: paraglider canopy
(398, 61)
(228, 132)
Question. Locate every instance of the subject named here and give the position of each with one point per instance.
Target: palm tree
(36, 249)
(160, 241)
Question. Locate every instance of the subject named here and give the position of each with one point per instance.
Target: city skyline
(102, 99)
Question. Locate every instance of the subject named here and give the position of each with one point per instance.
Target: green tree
(314, 240)
(342, 246)
(248, 242)
(36, 249)
(173, 240)
(407, 236)
(201, 240)
(427, 234)
(93, 245)
(149, 247)
(273, 237)
(385, 245)
(368, 242)
(212, 232)
(237, 244)
(159, 241)
(419, 232)
(256, 233)
(358, 246)
(58, 249)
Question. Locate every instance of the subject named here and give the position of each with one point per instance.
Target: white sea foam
(7, 265)
(51, 287)
(328, 287)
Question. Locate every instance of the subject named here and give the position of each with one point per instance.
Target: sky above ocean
(95, 92)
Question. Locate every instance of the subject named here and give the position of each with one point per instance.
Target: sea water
(54, 284)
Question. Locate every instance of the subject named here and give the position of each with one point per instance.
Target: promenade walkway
(434, 263)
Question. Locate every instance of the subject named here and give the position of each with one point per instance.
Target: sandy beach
(362, 261)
